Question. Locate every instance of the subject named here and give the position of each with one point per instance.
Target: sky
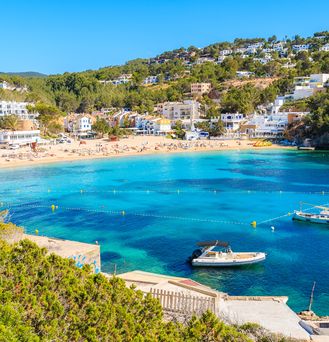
(56, 36)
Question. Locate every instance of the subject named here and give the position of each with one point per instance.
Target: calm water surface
(147, 213)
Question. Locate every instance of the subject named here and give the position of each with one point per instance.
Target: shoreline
(147, 146)
(60, 155)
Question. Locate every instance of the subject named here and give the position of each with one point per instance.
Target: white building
(202, 60)
(153, 126)
(268, 50)
(301, 92)
(324, 47)
(186, 110)
(232, 121)
(78, 123)
(288, 65)
(242, 74)
(84, 124)
(226, 52)
(307, 86)
(16, 108)
(221, 59)
(279, 46)
(301, 47)
(318, 80)
(266, 126)
(262, 60)
(151, 80)
(251, 51)
(255, 45)
(241, 50)
(278, 103)
(19, 137)
(6, 85)
(122, 79)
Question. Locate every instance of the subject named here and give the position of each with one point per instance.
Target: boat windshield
(218, 249)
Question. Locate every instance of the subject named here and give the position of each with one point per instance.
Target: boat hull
(299, 216)
(217, 262)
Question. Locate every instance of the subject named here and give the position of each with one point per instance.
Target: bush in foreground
(46, 298)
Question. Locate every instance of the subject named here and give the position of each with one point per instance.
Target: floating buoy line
(55, 207)
(161, 191)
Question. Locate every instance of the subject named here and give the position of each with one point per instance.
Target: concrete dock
(270, 312)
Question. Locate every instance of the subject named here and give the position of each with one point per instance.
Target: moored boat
(322, 217)
(306, 148)
(207, 255)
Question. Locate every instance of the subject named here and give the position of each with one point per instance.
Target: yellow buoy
(36, 232)
(53, 207)
(254, 224)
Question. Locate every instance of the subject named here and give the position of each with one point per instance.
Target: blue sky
(74, 35)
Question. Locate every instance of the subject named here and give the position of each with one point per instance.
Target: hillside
(260, 83)
(245, 74)
(24, 74)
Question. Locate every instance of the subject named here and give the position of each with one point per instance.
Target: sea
(148, 212)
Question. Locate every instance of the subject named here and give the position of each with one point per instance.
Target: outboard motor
(196, 253)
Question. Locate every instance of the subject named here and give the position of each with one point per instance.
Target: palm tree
(11, 122)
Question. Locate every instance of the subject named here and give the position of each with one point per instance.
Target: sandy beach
(103, 148)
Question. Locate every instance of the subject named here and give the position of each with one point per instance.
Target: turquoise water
(147, 212)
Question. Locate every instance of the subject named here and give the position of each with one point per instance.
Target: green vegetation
(10, 122)
(215, 129)
(82, 92)
(314, 126)
(50, 118)
(46, 298)
(24, 74)
(102, 127)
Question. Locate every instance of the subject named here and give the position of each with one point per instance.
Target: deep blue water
(147, 212)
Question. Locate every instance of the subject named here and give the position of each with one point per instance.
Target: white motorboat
(225, 257)
(322, 217)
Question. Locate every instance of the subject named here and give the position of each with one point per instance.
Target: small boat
(322, 217)
(306, 148)
(208, 256)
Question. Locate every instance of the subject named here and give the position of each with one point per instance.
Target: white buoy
(273, 228)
